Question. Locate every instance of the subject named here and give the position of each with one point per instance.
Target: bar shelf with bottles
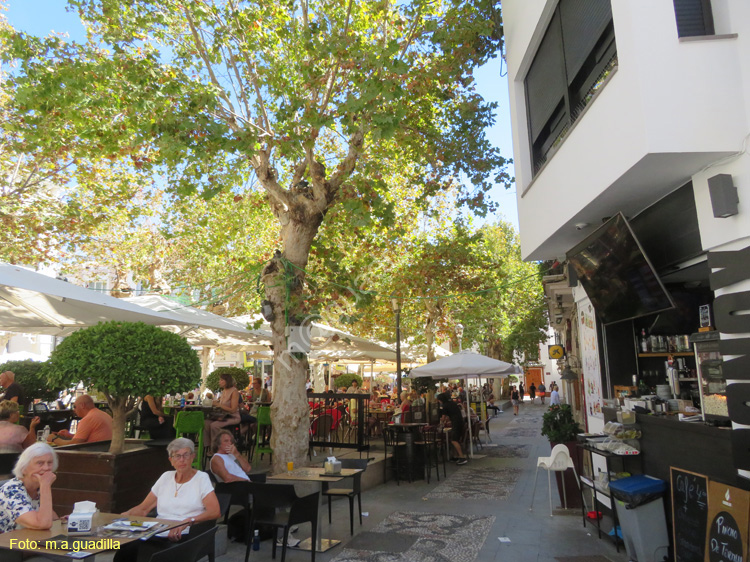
(668, 359)
(711, 381)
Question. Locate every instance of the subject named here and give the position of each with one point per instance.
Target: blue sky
(42, 16)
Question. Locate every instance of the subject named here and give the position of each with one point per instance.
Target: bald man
(13, 390)
(95, 425)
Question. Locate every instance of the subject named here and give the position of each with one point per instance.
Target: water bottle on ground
(256, 540)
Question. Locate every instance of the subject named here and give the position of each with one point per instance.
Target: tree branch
(337, 66)
(279, 198)
(203, 54)
(253, 75)
(356, 142)
(305, 17)
(299, 171)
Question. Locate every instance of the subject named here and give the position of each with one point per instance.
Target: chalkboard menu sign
(689, 514)
(728, 510)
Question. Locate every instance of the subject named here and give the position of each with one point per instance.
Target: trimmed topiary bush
(346, 379)
(124, 360)
(240, 376)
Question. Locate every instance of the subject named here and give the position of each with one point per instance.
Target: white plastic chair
(558, 461)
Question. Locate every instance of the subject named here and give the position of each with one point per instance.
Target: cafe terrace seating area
(460, 517)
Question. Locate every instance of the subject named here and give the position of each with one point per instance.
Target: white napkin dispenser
(81, 521)
(332, 466)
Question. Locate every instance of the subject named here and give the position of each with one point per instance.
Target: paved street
(464, 517)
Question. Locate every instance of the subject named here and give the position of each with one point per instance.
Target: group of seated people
(95, 425)
(184, 494)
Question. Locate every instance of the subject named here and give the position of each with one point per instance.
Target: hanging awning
(34, 303)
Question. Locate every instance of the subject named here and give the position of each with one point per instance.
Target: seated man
(13, 390)
(95, 425)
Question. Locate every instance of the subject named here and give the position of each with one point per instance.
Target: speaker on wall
(724, 199)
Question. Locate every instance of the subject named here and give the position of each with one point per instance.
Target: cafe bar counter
(692, 446)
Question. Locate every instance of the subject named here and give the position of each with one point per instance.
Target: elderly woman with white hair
(183, 494)
(26, 500)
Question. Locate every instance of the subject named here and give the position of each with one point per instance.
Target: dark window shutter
(545, 81)
(694, 17)
(583, 23)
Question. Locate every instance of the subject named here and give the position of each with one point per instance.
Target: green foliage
(423, 384)
(240, 376)
(559, 425)
(345, 380)
(125, 360)
(29, 376)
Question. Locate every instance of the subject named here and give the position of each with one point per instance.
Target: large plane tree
(307, 99)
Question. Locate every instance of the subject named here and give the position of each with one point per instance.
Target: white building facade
(639, 107)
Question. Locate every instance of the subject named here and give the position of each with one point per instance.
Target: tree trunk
(319, 378)
(284, 289)
(433, 313)
(119, 409)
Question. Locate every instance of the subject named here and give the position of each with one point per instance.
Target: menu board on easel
(728, 511)
(689, 514)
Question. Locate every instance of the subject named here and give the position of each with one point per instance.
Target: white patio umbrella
(332, 344)
(205, 329)
(463, 365)
(34, 303)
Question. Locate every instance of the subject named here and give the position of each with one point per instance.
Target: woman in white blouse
(184, 494)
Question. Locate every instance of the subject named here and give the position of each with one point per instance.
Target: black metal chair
(268, 498)
(320, 431)
(355, 490)
(190, 550)
(238, 493)
(428, 441)
(393, 442)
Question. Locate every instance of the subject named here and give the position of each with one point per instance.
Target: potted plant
(559, 426)
(123, 361)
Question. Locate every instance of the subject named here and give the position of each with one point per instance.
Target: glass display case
(711, 381)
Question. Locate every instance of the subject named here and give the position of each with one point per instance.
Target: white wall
(670, 108)
(551, 372)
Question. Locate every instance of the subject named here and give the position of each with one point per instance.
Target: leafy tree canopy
(125, 359)
(28, 375)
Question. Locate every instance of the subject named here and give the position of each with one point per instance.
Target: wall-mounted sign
(556, 351)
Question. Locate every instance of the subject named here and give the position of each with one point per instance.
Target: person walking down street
(532, 392)
(542, 390)
(554, 397)
(514, 398)
(521, 391)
